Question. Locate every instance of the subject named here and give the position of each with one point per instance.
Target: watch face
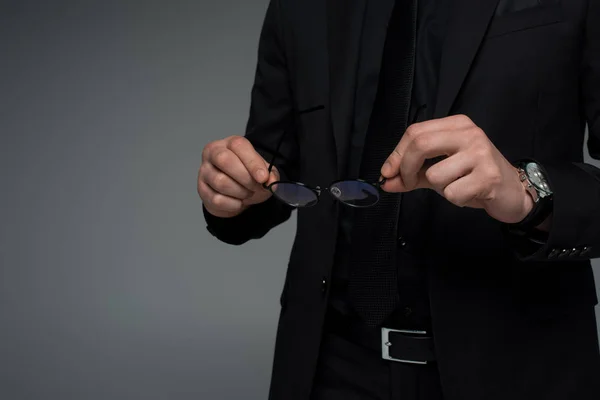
(537, 178)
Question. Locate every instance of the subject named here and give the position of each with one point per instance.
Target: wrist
(528, 204)
(537, 197)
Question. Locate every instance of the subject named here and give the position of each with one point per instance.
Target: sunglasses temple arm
(415, 119)
(285, 132)
(277, 150)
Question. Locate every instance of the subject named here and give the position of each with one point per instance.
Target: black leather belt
(401, 345)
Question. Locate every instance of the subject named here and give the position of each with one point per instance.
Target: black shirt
(413, 311)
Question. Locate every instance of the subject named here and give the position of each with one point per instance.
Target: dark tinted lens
(355, 193)
(294, 194)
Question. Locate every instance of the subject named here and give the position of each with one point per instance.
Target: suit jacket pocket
(525, 19)
(556, 289)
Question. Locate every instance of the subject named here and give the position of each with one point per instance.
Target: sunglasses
(356, 193)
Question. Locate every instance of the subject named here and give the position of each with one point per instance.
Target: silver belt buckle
(386, 344)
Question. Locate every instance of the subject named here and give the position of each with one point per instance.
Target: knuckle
(476, 133)
(203, 170)
(479, 131)
(237, 142)
(221, 158)
(494, 175)
(481, 151)
(412, 132)
(208, 149)
(220, 181)
(218, 200)
(463, 118)
(422, 142)
(471, 141)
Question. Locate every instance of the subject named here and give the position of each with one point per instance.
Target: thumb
(395, 184)
(261, 194)
(274, 176)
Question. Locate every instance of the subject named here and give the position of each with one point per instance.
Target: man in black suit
(433, 150)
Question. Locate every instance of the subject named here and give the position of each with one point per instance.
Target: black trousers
(349, 371)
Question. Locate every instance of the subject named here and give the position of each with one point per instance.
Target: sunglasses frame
(317, 191)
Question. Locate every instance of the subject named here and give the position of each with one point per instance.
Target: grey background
(110, 287)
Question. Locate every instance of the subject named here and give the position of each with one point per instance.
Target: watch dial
(536, 177)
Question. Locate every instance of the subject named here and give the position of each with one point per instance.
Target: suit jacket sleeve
(271, 119)
(575, 231)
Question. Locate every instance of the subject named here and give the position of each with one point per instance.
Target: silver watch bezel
(541, 191)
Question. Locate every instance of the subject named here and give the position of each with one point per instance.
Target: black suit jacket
(511, 320)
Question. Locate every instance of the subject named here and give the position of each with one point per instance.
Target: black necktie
(373, 286)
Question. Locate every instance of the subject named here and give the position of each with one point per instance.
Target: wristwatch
(535, 181)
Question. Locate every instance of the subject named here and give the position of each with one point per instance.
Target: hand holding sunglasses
(231, 176)
(356, 193)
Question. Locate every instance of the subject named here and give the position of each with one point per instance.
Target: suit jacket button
(553, 253)
(401, 242)
(586, 250)
(564, 253)
(574, 252)
(324, 285)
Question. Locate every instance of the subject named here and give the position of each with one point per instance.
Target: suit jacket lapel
(344, 28)
(466, 29)
(346, 24)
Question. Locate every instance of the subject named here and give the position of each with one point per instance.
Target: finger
(451, 123)
(274, 176)
(218, 201)
(446, 171)
(396, 184)
(253, 162)
(264, 192)
(222, 183)
(229, 163)
(426, 146)
(466, 190)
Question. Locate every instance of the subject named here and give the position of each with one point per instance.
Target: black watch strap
(538, 214)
